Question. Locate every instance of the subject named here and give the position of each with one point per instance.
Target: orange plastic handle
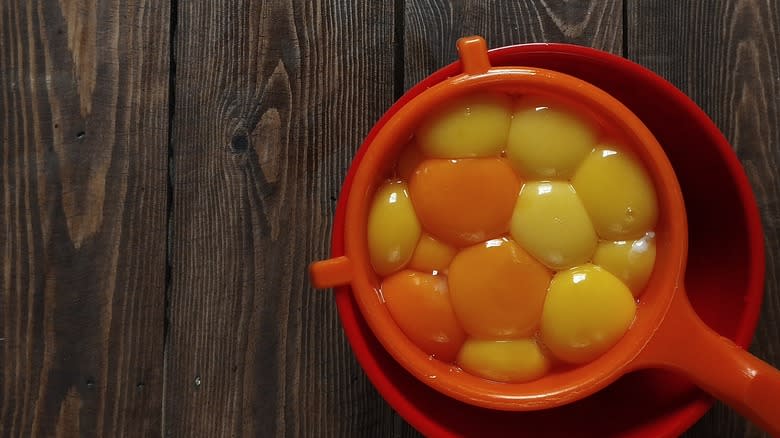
(331, 273)
(473, 54)
(685, 343)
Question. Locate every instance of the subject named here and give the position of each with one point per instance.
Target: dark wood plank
(272, 100)
(724, 55)
(433, 26)
(83, 177)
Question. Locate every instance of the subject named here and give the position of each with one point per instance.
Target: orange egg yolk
(463, 202)
(431, 255)
(497, 289)
(420, 305)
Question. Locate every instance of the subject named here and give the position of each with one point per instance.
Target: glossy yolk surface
(551, 223)
(497, 290)
(547, 143)
(472, 126)
(393, 228)
(410, 158)
(431, 255)
(587, 310)
(618, 194)
(462, 202)
(515, 361)
(420, 305)
(630, 261)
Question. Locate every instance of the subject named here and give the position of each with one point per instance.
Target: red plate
(724, 277)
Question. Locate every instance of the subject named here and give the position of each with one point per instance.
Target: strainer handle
(473, 54)
(686, 344)
(331, 273)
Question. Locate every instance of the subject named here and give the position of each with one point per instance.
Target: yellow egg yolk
(517, 360)
(393, 228)
(618, 194)
(586, 312)
(462, 202)
(472, 126)
(420, 305)
(431, 255)
(551, 223)
(547, 143)
(630, 261)
(497, 290)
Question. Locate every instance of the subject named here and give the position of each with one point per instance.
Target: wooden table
(169, 169)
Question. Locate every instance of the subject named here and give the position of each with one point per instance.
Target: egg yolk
(497, 289)
(618, 194)
(462, 202)
(431, 255)
(420, 305)
(550, 222)
(586, 312)
(410, 158)
(518, 360)
(630, 261)
(472, 126)
(393, 228)
(548, 143)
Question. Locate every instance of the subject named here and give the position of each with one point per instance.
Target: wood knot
(239, 143)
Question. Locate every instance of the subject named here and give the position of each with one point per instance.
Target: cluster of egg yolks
(519, 241)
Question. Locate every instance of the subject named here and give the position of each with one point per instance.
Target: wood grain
(431, 27)
(724, 55)
(272, 100)
(83, 171)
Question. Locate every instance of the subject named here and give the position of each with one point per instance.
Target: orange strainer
(666, 332)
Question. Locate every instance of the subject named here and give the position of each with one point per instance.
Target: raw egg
(618, 194)
(550, 222)
(497, 290)
(462, 202)
(420, 305)
(586, 312)
(547, 143)
(630, 261)
(431, 255)
(516, 360)
(472, 126)
(393, 228)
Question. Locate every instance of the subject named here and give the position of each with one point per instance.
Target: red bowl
(725, 238)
